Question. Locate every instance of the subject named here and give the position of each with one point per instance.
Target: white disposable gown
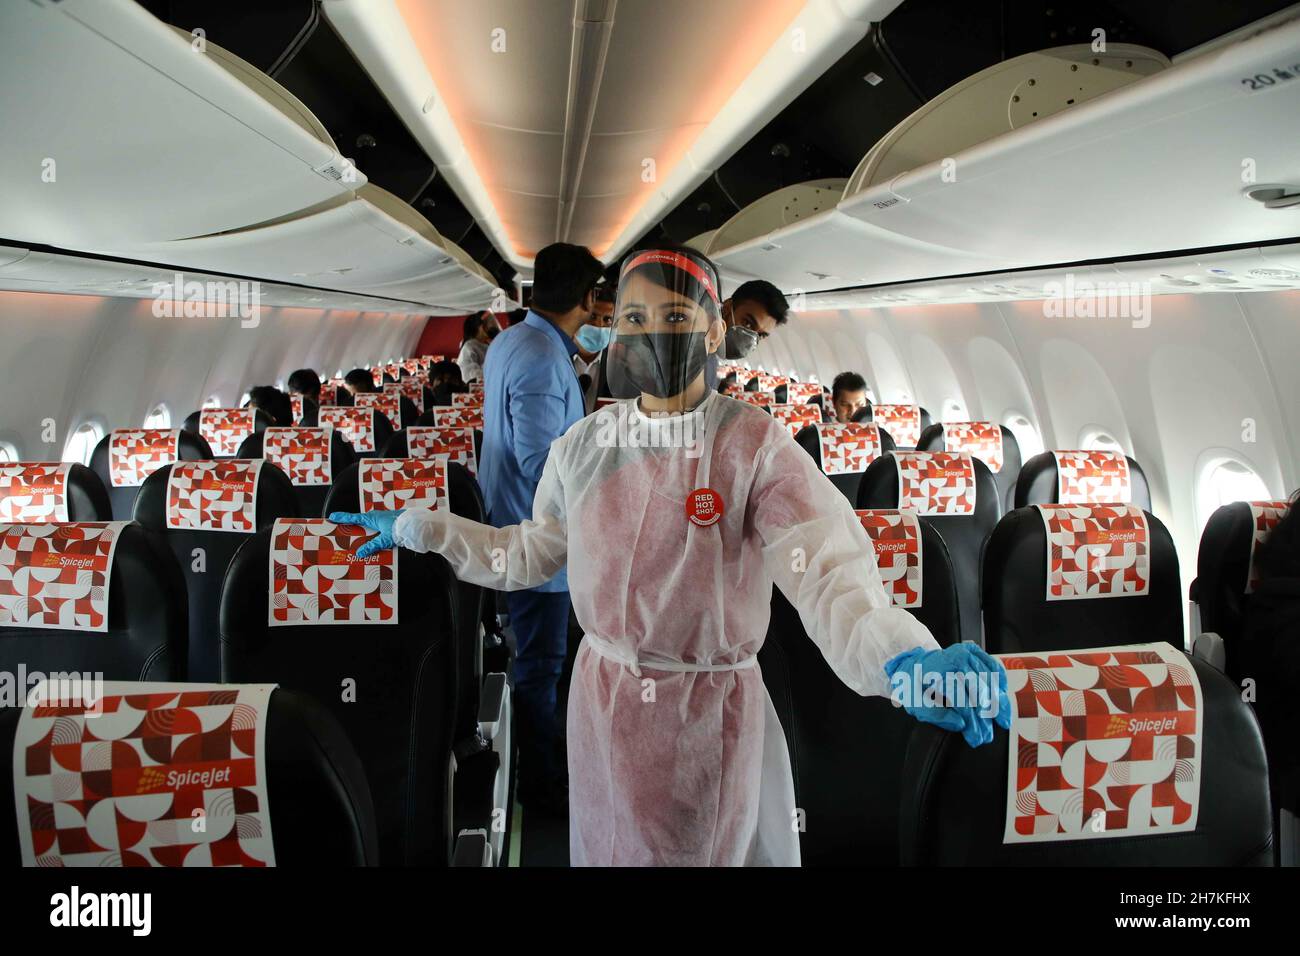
(676, 756)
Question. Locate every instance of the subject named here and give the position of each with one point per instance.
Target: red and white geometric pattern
(389, 484)
(57, 575)
(136, 453)
(460, 416)
(377, 375)
(390, 405)
(357, 425)
(799, 392)
(409, 387)
(295, 403)
(148, 775)
(1104, 743)
(732, 390)
(411, 365)
(476, 389)
(903, 422)
(936, 482)
(426, 441)
(226, 428)
(896, 536)
(301, 453)
(849, 447)
(1087, 477)
(796, 417)
(329, 392)
(1096, 551)
(761, 399)
(1264, 516)
(467, 398)
(981, 439)
(213, 495)
(34, 491)
(316, 577)
(769, 383)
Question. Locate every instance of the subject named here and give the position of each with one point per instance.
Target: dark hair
(847, 382)
(563, 274)
(274, 402)
(470, 329)
(765, 295)
(692, 287)
(444, 369)
(361, 380)
(1278, 555)
(305, 382)
(607, 291)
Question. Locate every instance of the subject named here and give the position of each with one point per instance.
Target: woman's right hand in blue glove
(381, 521)
(959, 688)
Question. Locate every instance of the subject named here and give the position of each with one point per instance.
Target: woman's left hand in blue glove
(381, 521)
(958, 688)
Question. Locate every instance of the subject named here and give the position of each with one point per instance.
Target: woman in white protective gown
(675, 513)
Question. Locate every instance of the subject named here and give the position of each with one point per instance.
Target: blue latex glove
(381, 521)
(972, 715)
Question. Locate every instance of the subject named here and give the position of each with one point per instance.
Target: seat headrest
(410, 388)
(270, 775)
(1071, 576)
(796, 417)
(391, 484)
(763, 400)
(990, 442)
(915, 567)
(236, 495)
(1225, 562)
(318, 579)
(936, 483)
(44, 491)
(1082, 477)
(429, 441)
(365, 429)
(458, 416)
(388, 403)
(1133, 756)
(224, 429)
(304, 454)
(798, 393)
(89, 596)
(136, 453)
(844, 448)
(903, 422)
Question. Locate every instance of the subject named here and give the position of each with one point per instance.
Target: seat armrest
(492, 705)
(472, 849)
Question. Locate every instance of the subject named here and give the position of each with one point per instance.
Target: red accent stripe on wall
(441, 335)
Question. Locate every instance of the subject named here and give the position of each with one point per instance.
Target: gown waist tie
(633, 663)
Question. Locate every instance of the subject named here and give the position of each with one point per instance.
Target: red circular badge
(704, 507)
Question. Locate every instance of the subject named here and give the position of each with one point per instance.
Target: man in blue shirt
(531, 396)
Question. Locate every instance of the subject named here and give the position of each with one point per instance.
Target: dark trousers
(540, 621)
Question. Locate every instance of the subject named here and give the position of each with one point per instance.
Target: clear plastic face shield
(667, 321)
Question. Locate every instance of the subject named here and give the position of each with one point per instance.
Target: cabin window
(1098, 439)
(81, 444)
(1223, 481)
(8, 452)
(243, 400)
(160, 417)
(214, 401)
(954, 411)
(1027, 437)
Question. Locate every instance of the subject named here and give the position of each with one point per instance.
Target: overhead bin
(781, 208)
(114, 81)
(121, 131)
(1155, 165)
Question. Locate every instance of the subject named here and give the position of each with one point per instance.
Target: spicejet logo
(893, 547)
(66, 561)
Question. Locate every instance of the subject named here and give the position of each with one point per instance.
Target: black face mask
(492, 333)
(740, 342)
(662, 364)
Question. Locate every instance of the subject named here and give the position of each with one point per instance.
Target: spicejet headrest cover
(225, 429)
(301, 453)
(903, 422)
(136, 453)
(392, 484)
(981, 439)
(1084, 477)
(936, 482)
(316, 577)
(1096, 551)
(1105, 743)
(34, 491)
(896, 538)
(1264, 516)
(847, 448)
(390, 405)
(57, 575)
(213, 495)
(355, 423)
(145, 774)
(796, 417)
(461, 416)
(428, 441)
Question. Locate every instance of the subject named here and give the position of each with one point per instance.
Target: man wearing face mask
(751, 314)
(479, 332)
(594, 336)
(676, 509)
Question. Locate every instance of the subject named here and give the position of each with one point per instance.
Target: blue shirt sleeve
(537, 411)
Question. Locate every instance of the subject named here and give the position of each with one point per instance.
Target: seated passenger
(673, 537)
(848, 395)
(445, 381)
(274, 402)
(359, 380)
(1270, 653)
(306, 384)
